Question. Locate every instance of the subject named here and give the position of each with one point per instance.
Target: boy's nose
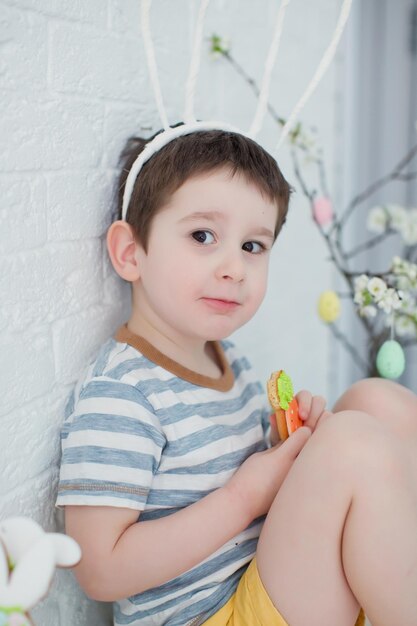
(231, 266)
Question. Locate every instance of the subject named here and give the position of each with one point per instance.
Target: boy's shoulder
(114, 360)
(116, 373)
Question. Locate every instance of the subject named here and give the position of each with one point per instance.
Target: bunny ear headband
(191, 125)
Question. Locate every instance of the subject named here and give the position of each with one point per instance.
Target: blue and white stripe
(137, 436)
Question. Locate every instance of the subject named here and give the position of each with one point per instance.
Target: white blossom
(409, 232)
(390, 301)
(408, 302)
(368, 311)
(361, 282)
(398, 216)
(378, 219)
(404, 326)
(397, 263)
(377, 288)
(403, 283)
(405, 272)
(359, 298)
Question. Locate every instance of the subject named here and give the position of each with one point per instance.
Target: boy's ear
(122, 248)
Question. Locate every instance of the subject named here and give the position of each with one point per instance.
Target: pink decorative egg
(322, 210)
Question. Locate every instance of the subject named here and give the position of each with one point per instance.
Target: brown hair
(193, 154)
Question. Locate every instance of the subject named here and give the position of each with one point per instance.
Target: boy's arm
(122, 558)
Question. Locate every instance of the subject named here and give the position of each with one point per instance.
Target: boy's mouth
(218, 304)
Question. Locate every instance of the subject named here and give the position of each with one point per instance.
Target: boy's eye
(253, 246)
(203, 236)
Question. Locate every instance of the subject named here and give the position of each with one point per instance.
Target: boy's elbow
(101, 581)
(96, 581)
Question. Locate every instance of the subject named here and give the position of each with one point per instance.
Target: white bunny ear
(18, 534)
(67, 551)
(30, 580)
(4, 567)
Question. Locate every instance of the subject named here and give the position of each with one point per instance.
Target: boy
(166, 475)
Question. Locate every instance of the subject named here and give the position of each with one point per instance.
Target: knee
(358, 443)
(394, 405)
(367, 394)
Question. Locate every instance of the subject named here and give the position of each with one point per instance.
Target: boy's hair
(188, 156)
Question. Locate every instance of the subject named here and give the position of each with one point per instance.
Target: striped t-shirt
(144, 432)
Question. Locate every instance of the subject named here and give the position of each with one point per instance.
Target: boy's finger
(296, 442)
(318, 405)
(304, 398)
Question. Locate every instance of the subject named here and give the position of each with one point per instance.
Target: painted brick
(122, 122)
(22, 212)
(49, 133)
(76, 339)
(79, 204)
(93, 11)
(26, 369)
(34, 430)
(50, 283)
(67, 605)
(35, 498)
(23, 49)
(124, 16)
(95, 76)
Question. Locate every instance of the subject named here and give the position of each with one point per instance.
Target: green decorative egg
(390, 360)
(329, 306)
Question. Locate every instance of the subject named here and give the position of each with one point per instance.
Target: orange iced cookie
(283, 402)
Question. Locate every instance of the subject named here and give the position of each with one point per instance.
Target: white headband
(191, 125)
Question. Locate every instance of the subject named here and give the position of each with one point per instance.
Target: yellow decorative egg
(329, 306)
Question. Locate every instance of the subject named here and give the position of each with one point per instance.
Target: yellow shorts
(250, 605)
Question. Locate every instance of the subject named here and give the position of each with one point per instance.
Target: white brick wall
(74, 87)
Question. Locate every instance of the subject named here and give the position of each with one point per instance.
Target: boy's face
(205, 270)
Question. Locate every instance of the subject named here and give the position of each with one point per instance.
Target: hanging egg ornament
(390, 360)
(322, 210)
(329, 306)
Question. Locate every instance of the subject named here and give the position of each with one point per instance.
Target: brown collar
(224, 383)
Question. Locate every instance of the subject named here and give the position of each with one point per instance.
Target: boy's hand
(257, 481)
(311, 409)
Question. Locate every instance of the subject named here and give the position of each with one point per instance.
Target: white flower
(377, 288)
(378, 219)
(412, 215)
(403, 283)
(407, 301)
(368, 311)
(404, 326)
(390, 301)
(409, 232)
(412, 271)
(361, 282)
(359, 298)
(398, 216)
(405, 272)
(397, 263)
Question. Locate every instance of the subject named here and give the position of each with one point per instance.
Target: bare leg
(342, 531)
(393, 404)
